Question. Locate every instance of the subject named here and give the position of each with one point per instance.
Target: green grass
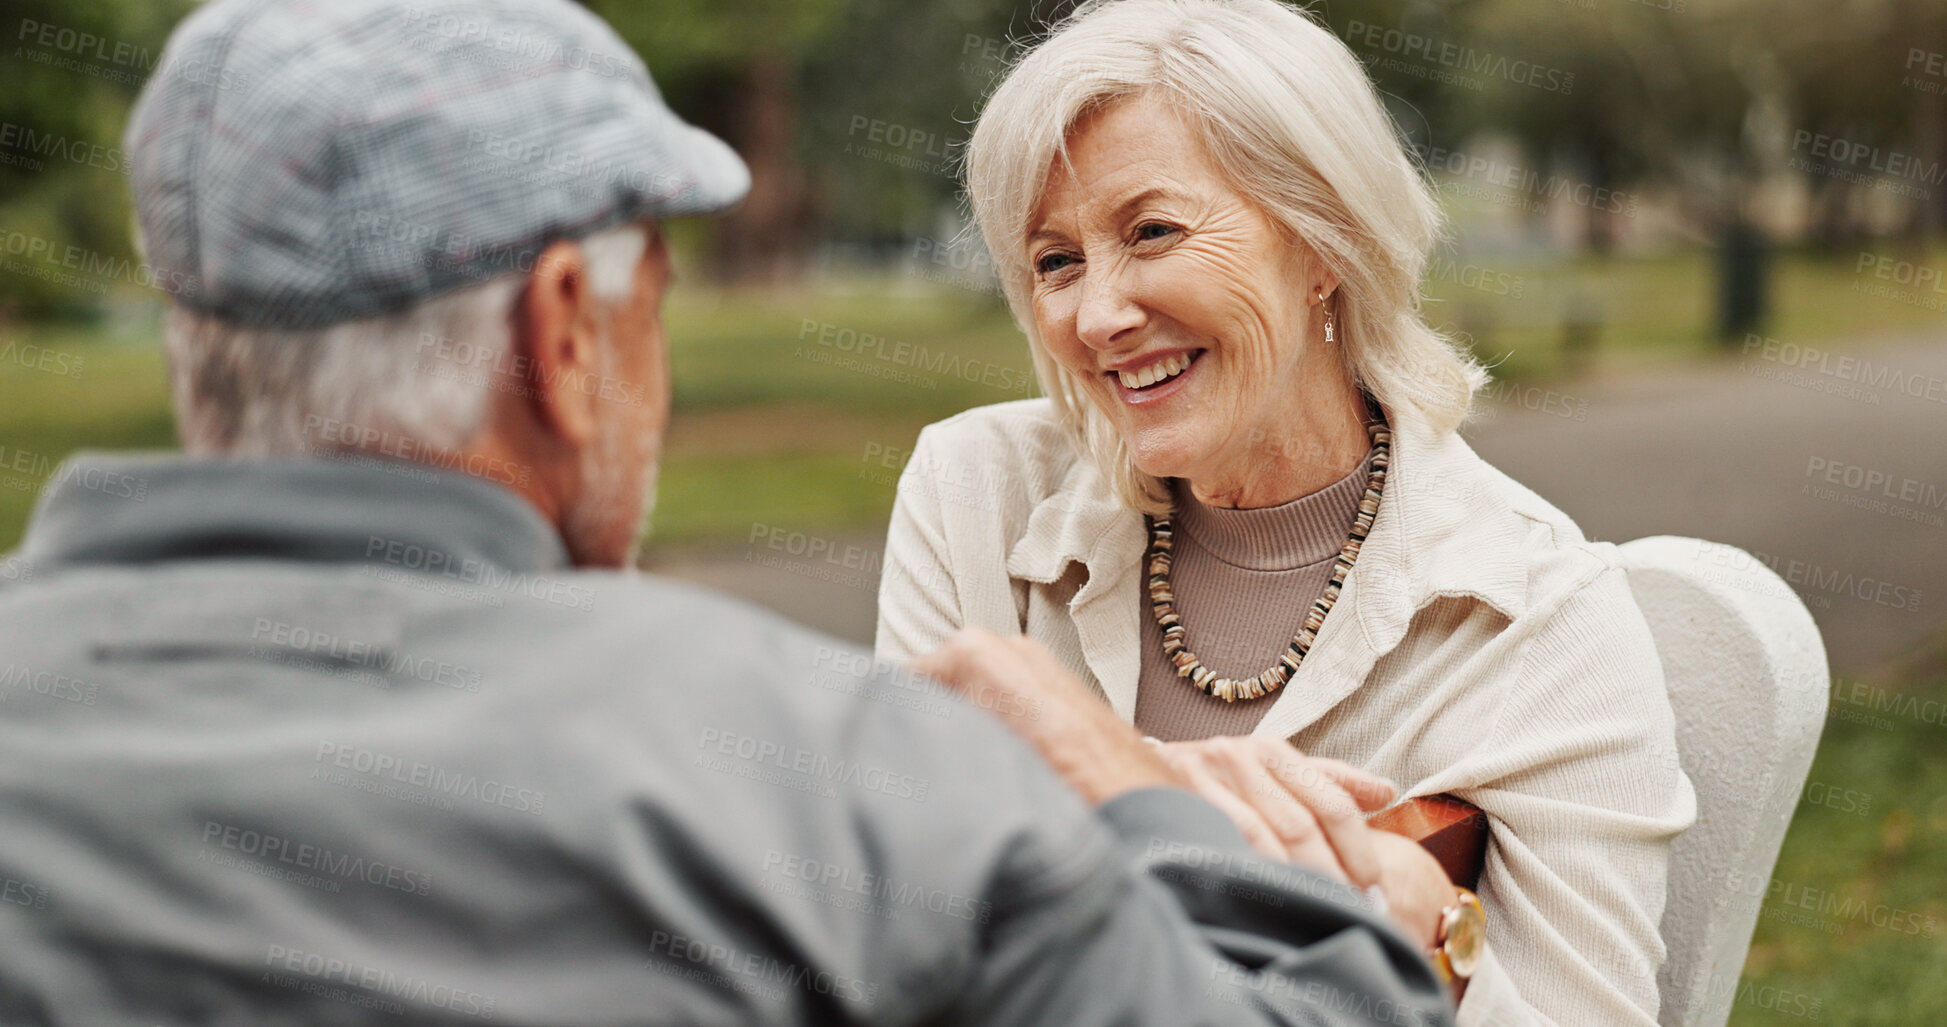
(730, 497)
(100, 389)
(787, 400)
(1654, 312)
(1872, 952)
(789, 404)
(850, 352)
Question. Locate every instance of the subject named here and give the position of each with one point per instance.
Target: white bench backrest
(1746, 673)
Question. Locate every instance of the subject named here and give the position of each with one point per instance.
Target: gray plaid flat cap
(297, 163)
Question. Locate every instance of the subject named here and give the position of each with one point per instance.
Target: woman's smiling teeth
(1162, 370)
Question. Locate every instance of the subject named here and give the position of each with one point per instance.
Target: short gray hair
(1287, 111)
(418, 377)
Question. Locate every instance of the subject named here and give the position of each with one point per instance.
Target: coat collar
(103, 508)
(1444, 528)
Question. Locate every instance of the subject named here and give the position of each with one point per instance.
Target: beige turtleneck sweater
(1244, 580)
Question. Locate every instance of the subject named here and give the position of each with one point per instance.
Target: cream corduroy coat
(1481, 647)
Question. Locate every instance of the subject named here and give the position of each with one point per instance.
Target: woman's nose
(1108, 311)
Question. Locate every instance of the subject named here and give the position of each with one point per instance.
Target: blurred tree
(896, 105)
(1853, 77)
(71, 72)
(1651, 101)
(737, 68)
(852, 113)
(1709, 98)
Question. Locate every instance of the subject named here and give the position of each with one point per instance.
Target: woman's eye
(1154, 230)
(1053, 262)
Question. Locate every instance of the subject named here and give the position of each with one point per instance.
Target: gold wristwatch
(1462, 933)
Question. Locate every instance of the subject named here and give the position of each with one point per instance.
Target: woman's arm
(918, 604)
(1584, 795)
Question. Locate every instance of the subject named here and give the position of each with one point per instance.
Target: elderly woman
(1243, 509)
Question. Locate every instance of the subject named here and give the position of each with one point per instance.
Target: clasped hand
(1306, 809)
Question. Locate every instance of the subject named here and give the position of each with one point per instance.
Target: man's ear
(555, 338)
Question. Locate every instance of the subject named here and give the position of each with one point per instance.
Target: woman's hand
(1306, 809)
(1417, 890)
(1311, 810)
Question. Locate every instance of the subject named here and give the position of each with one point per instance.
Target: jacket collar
(116, 509)
(1439, 532)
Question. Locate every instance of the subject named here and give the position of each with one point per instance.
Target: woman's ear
(1318, 276)
(1327, 281)
(555, 336)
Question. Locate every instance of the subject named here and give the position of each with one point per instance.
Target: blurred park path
(1832, 465)
(1831, 472)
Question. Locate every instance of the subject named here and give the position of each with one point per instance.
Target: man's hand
(1021, 682)
(1309, 810)
(1265, 782)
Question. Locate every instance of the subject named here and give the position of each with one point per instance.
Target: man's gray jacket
(349, 742)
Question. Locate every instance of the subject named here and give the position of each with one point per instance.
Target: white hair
(1286, 110)
(421, 376)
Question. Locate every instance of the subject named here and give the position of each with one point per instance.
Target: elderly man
(351, 715)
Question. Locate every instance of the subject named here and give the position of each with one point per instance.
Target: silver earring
(1328, 314)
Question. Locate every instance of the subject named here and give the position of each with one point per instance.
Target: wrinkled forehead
(1123, 150)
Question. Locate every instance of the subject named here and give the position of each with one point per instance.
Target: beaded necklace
(1162, 601)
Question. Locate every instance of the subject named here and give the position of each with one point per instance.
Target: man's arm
(1183, 924)
(1179, 921)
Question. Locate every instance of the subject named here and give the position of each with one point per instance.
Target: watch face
(1466, 932)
